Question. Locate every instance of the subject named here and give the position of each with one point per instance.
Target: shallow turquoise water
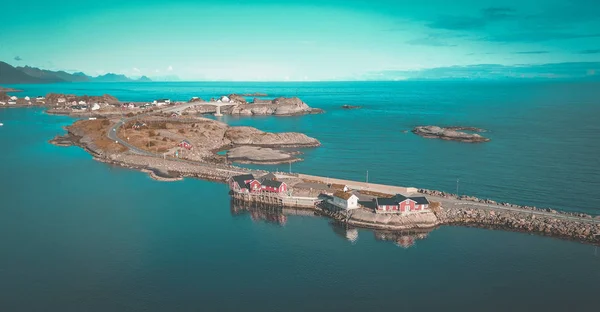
(544, 134)
(78, 235)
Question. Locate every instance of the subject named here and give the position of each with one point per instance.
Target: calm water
(78, 235)
(544, 149)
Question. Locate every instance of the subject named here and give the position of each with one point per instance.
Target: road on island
(112, 134)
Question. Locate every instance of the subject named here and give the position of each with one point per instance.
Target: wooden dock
(276, 200)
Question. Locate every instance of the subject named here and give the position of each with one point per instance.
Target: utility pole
(457, 180)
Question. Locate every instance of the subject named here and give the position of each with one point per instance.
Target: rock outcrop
(236, 98)
(260, 155)
(207, 136)
(368, 219)
(450, 133)
(280, 106)
(253, 136)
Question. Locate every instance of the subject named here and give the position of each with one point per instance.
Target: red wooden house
(240, 183)
(274, 186)
(245, 183)
(185, 144)
(400, 204)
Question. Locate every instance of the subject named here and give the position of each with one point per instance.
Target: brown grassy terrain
(96, 130)
(156, 137)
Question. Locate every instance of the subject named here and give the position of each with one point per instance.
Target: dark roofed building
(268, 176)
(240, 182)
(400, 204)
(273, 186)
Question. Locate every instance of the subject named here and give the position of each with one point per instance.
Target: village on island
(171, 140)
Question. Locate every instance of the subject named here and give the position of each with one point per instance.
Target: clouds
(509, 25)
(498, 13)
(532, 52)
(573, 70)
(537, 36)
(465, 22)
(594, 51)
(430, 41)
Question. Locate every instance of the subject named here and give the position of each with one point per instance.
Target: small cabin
(161, 102)
(400, 204)
(185, 144)
(240, 183)
(138, 125)
(345, 200)
(274, 186)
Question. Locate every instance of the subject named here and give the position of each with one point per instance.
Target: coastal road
(112, 134)
(446, 202)
(180, 108)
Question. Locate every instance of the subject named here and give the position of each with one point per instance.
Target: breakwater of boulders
(502, 204)
(588, 232)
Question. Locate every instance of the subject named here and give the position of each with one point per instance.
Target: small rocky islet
(454, 133)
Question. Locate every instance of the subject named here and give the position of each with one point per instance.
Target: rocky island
(195, 139)
(451, 133)
(169, 145)
(235, 104)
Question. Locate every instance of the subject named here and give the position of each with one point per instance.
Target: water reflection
(279, 216)
(404, 239)
(272, 215)
(346, 232)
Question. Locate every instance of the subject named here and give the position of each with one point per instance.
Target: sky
(265, 40)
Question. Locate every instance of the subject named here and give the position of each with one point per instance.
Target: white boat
(1, 124)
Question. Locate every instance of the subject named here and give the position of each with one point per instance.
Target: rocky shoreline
(520, 222)
(451, 133)
(468, 215)
(503, 204)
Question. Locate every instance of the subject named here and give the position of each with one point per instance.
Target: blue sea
(79, 235)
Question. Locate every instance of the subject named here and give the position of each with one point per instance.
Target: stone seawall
(502, 204)
(587, 232)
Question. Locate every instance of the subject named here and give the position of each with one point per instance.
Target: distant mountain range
(32, 75)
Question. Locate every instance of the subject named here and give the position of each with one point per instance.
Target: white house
(225, 99)
(345, 200)
(82, 103)
(27, 98)
(13, 98)
(39, 98)
(161, 102)
(95, 107)
(2, 103)
(11, 102)
(62, 100)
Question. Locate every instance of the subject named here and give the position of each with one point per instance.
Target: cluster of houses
(247, 183)
(83, 105)
(133, 105)
(13, 100)
(343, 199)
(398, 203)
